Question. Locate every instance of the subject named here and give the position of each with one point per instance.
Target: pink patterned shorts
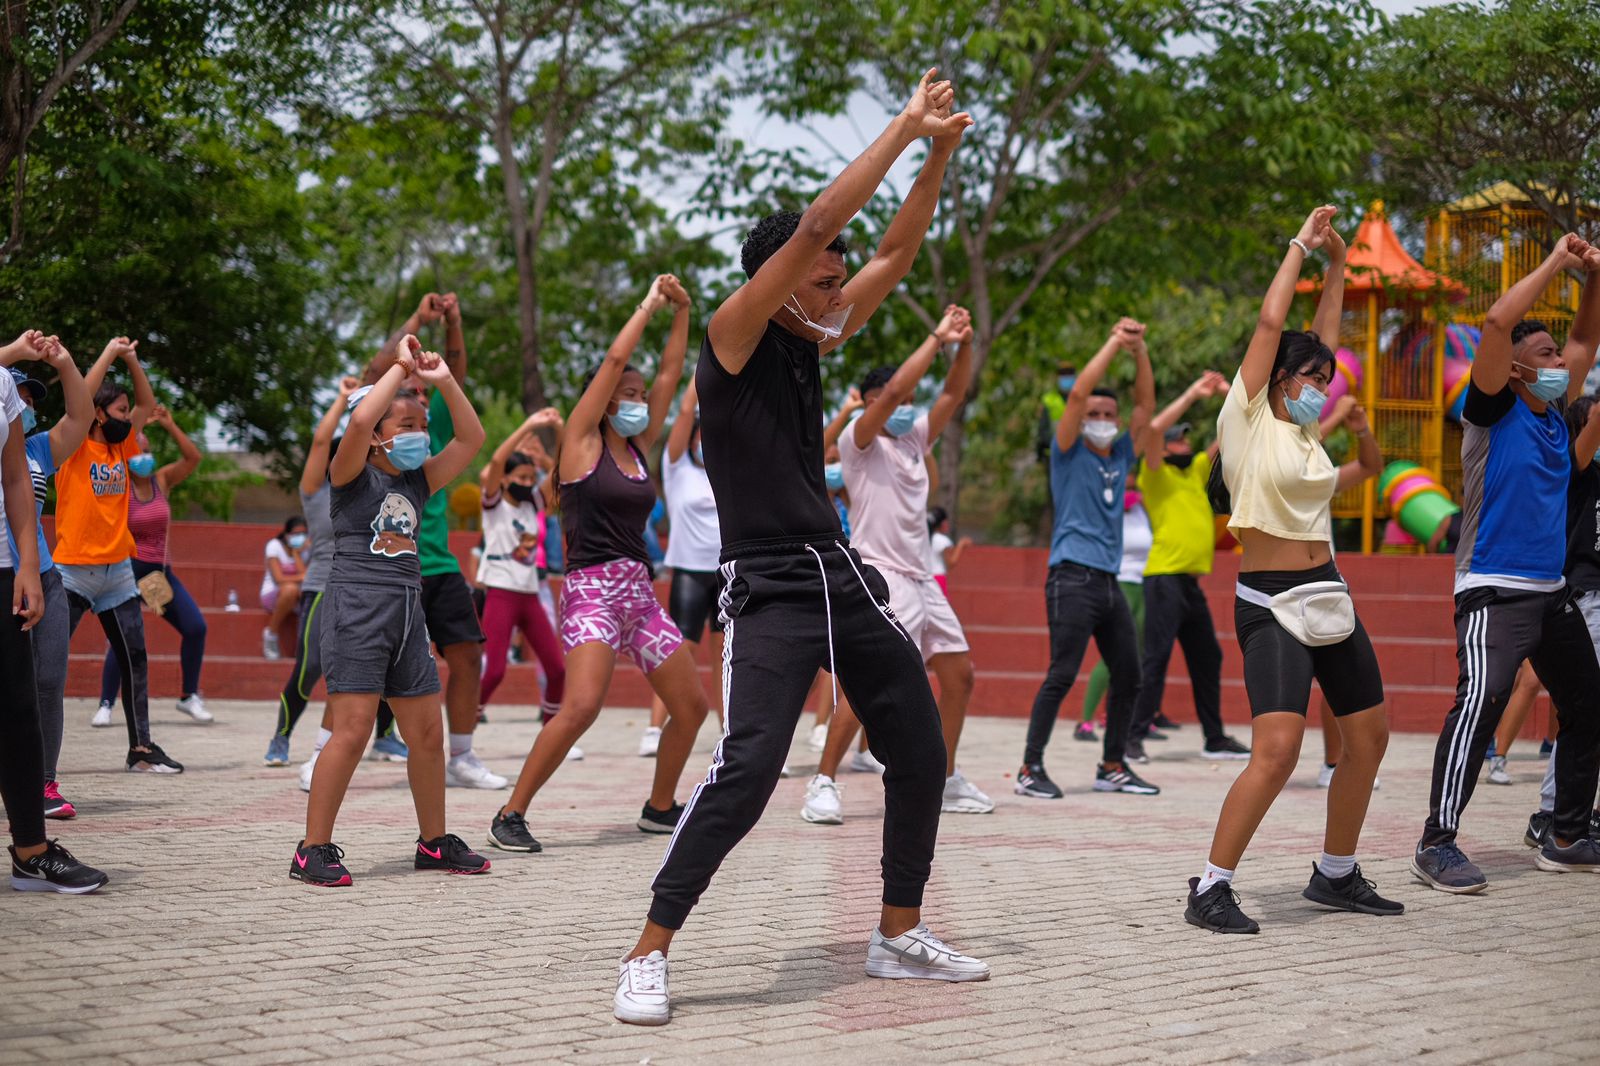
(615, 604)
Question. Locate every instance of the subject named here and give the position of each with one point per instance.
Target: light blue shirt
(1087, 490)
(41, 465)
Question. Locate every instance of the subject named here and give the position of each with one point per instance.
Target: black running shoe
(1122, 780)
(1224, 747)
(1033, 781)
(654, 821)
(1352, 892)
(451, 854)
(1538, 829)
(153, 761)
(1580, 855)
(55, 870)
(1594, 823)
(1154, 734)
(1217, 909)
(320, 864)
(1161, 721)
(1134, 751)
(509, 832)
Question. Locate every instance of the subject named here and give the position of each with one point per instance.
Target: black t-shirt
(761, 434)
(603, 513)
(1583, 528)
(375, 519)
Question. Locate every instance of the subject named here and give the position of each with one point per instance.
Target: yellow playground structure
(1406, 343)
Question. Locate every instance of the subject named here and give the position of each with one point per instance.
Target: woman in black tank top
(608, 605)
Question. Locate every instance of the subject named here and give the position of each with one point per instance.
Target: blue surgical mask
(900, 423)
(1066, 381)
(632, 418)
(297, 540)
(407, 451)
(1552, 385)
(143, 464)
(29, 420)
(833, 474)
(1305, 409)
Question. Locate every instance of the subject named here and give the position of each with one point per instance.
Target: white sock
(1212, 875)
(323, 736)
(1547, 787)
(1334, 867)
(460, 744)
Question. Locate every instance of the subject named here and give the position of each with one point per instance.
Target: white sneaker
(963, 797)
(823, 804)
(306, 770)
(102, 716)
(467, 771)
(1498, 775)
(269, 645)
(786, 773)
(574, 754)
(863, 762)
(195, 708)
(650, 742)
(918, 954)
(819, 738)
(1325, 776)
(642, 991)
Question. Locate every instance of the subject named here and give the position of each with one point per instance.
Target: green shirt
(433, 543)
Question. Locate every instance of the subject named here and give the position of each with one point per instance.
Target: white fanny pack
(1315, 614)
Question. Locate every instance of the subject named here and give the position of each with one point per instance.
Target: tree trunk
(523, 243)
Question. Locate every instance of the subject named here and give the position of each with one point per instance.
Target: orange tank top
(92, 505)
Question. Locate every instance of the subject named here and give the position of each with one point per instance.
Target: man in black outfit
(795, 597)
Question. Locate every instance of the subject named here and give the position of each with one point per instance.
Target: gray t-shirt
(375, 519)
(319, 524)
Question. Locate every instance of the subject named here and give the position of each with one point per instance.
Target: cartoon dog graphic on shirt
(394, 530)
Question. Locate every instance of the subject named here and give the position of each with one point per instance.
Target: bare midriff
(1263, 551)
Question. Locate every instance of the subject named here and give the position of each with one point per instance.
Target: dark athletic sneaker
(54, 871)
(154, 761)
(1154, 734)
(509, 832)
(451, 854)
(1217, 909)
(654, 821)
(1352, 892)
(1444, 867)
(1122, 780)
(320, 864)
(1224, 747)
(1161, 721)
(1134, 751)
(1538, 829)
(1085, 732)
(1581, 855)
(1033, 781)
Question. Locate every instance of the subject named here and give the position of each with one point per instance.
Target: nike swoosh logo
(918, 953)
(430, 854)
(300, 859)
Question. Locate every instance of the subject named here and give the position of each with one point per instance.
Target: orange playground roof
(1376, 260)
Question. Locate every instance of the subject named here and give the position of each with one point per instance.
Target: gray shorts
(374, 641)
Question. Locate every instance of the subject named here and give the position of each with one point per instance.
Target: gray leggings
(51, 638)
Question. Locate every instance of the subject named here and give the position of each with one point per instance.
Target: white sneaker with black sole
(919, 955)
(642, 991)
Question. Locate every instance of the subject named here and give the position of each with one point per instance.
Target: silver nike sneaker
(919, 955)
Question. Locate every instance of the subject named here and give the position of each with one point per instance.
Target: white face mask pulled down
(830, 326)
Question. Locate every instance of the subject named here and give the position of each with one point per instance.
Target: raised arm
(956, 382)
(1491, 368)
(463, 447)
(1152, 443)
(316, 468)
(835, 429)
(669, 371)
(1144, 384)
(1584, 337)
(144, 397)
(580, 453)
(429, 311)
(188, 455)
(683, 425)
(1330, 305)
(1369, 460)
(1256, 371)
(113, 351)
(1089, 378)
(1587, 441)
(738, 324)
(32, 345)
(455, 338)
(489, 476)
(900, 389)
(897, 251)
(357, 440)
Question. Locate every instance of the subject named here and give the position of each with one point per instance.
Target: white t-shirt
(10, 409)
(940, 543)
(276, 550)
(510, 545)
(696, 540)
(888, 485)
(1278, 474)
(1137, 539)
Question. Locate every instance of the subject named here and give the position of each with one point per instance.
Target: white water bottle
(233, 602)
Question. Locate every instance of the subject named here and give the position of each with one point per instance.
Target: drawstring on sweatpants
(827, 607)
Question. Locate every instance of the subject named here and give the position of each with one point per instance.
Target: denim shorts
(103, 587)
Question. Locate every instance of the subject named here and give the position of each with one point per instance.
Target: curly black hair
(772, 233)
(876, 378)
(1527, 328)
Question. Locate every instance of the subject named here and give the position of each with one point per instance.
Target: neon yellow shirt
(1180, 517)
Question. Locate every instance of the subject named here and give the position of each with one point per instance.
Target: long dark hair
(292, 523)
(1299, 352)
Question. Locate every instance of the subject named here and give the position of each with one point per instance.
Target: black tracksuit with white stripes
(796, 598)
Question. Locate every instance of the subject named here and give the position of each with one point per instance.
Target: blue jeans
(182, 614)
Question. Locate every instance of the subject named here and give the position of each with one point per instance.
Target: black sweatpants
(781, 611)
(1175, 610)
(1497, 628)
(124, 628)
(21, 743)
(1081, 603)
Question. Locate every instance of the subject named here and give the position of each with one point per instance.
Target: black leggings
(21, 743)
(693, 602)
(1278, 669)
